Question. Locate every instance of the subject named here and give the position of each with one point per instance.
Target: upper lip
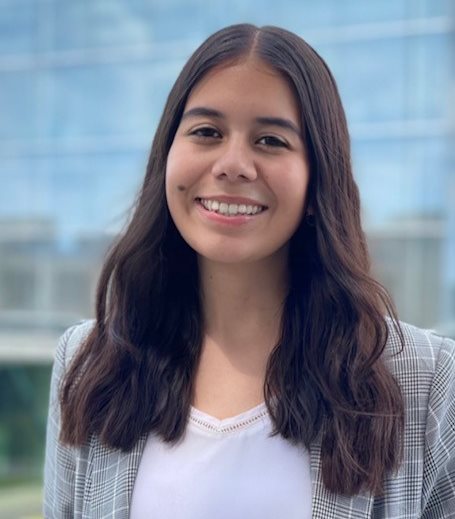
(232, 199)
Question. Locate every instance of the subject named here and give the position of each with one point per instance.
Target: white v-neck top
(223, 469)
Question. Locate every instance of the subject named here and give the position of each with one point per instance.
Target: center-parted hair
(326, 381)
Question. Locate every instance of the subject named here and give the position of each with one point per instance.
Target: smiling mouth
(225, 209)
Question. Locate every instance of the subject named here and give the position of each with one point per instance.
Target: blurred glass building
(82, 85)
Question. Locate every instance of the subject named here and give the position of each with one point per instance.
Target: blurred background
(82, 85)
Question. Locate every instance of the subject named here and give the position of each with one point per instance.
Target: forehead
(249, 82)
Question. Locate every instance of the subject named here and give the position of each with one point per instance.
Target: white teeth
(233, 208)
(224, 208)
(230, 209)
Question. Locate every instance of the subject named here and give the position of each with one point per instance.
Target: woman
(243, 363)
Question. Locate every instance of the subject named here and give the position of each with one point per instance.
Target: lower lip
(233, 221)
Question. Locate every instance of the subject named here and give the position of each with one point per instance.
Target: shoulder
(67, 347)
(425, 370)
(63, 470)
(424, 367)
(423, 352)
(71, 339)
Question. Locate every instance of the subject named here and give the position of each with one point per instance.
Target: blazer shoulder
(71, 340)
(63, 464)
(422, 349)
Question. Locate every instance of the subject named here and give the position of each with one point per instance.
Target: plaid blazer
(97, 482)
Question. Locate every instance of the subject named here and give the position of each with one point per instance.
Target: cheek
(175, 175)
(291, 189)
(172, 167)
(171, 184)
(181, 167)
(178, 182)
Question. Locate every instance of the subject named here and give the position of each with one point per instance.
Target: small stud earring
(310, 220)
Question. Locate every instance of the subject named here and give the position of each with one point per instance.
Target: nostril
(236, 174)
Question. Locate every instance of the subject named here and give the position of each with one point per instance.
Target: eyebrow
(279, 121)
(201, 111)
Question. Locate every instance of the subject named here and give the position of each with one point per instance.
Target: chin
(229, 256)
(234, 251)
(228, 259)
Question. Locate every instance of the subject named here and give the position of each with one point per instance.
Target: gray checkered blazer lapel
(112, 476)
(327, 505)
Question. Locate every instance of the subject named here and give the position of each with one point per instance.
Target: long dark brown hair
(326, 377)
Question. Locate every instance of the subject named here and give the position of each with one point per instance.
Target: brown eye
(271, 140)
(206, 132)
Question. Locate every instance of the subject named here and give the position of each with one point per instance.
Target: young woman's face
(237, 171)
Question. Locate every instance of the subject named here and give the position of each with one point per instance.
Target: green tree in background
(24, 393)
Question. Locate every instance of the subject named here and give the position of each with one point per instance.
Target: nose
(235, 162)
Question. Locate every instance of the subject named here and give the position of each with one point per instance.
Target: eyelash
(277, 143)
(206, 132)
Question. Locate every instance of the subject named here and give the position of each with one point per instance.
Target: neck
(242, 304)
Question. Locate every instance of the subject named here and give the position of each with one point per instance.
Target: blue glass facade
(83, 85)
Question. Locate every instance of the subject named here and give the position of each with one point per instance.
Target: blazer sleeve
(438, 493)
(60, 461)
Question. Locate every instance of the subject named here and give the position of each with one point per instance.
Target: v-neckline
(230, 424)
